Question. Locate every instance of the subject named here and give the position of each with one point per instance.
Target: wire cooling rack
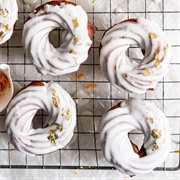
(85, 152)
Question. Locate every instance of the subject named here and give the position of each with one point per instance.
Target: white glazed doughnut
(76, 37)
(60, 126)
(130, 74)
(132, 115)
(8, 17)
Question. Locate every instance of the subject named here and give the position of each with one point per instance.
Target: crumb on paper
(11, 150)
(92, 86)
(118, 10)
(177, 151)
(93, 3)
(79, 76)
(77, 173)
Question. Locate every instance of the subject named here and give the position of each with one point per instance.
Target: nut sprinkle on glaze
(128, 74)
(118, 150)
(77, 33)
(57, 132)
(8, 17)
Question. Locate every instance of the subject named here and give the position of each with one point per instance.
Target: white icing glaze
(116, 146)
(47, 58)
(22, 109)
(128, 74)
(8, 17)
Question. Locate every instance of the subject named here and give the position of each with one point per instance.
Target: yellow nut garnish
(155, 147)
(76, 60)
(67, 114)
(2, 36)
(1, 33)
(156, 133)
(75, 22)
(76, 40)
(158, 65)
(53, 92)
(52, 137)
(56, 101)
(73, 52)
(7, 27)
(147, 72)
(153, 35)
(59, 127)
(4, 13)
(158, 62)
(150, 119)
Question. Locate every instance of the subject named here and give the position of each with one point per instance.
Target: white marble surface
(82, 174)
(102, 21)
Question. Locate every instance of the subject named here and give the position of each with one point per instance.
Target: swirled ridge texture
(8, 17)
(58, 128)
(74, 38)
(135, 75)
(132, 115)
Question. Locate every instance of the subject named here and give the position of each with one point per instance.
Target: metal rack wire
(82, 155)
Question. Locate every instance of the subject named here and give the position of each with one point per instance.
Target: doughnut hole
(55, 37)
(40, 119)
(135, 53)
(60, 37)
(137, 138)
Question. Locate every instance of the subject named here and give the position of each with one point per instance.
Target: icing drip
(21, 111)
(8, 17)
(76, 39)
(120, 151)
(135, 75)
